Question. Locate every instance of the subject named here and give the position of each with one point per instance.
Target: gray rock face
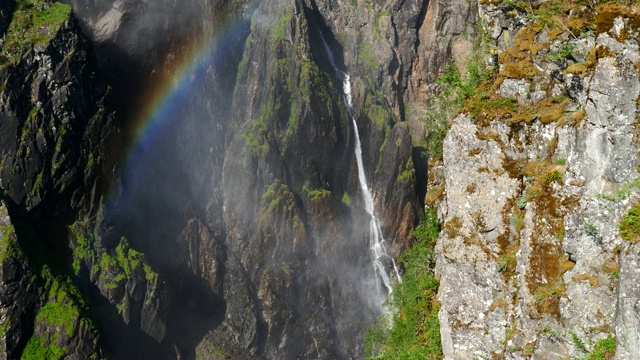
(530, 259)
(478, 190)
(614, 86)
(441, 39)
(627, 319)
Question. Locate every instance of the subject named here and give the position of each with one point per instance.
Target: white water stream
(376, 240)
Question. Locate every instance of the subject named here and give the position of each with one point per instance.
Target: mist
(260, 252)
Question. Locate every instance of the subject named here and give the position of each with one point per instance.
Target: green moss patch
(604, 349)
(64, 310)
(8, 244)
(278, 197)
(34, 24)
(43, 348)
(117, 270)
(346, 199)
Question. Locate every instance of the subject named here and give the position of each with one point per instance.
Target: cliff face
(298, 225)
(538, 179)
(239, 228)
(257, 247)
(39, 158)
(53, 133)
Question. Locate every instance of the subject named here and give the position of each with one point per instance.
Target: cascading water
(376, 240)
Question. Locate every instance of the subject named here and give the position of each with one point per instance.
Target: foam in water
(376, 240)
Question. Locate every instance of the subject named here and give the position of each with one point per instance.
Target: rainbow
(167, 93)
(160, 106)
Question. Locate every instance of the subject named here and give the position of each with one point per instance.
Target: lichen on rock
(535, 194)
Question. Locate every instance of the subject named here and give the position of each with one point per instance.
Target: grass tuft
(630, 225)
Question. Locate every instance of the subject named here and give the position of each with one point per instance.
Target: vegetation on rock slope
(34, 24)
(630, 225)
(415, 330)
(51, 315)
(63, 315)
(412, 331)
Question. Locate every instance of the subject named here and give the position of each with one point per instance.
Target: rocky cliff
(58, 139)
(53, 132)
(540, 170)
(237, 228)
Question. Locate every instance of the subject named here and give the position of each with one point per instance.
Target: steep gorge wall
(279, 193)
(301, 223)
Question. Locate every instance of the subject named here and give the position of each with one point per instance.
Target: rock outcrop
(47, 134)
(54, 129)
(6, 12)
(538, 180)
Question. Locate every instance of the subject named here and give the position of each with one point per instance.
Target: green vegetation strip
(415, 333)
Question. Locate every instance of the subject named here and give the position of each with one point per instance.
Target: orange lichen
(607, 13)
(579, 115)
(555, 32)
(578, 68)
(489, 134)
(551, 109)
(513, 167)
(537, 47)
(471, 188)
(593, 280)
(497, 304)
(548, 299)
(518, 60)
(452, 227)
(434, 194)
(610, 266)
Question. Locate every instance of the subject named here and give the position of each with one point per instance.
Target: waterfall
(376, 240)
